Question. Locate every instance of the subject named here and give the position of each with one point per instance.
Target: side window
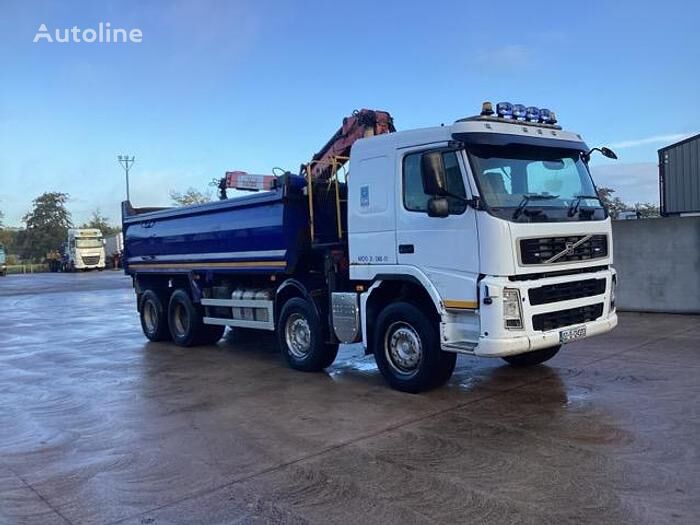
(413, 197)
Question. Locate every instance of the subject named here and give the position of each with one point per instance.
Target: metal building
(679, 177)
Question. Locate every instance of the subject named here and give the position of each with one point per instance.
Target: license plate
(566, 336)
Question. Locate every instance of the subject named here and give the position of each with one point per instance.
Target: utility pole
(126, 163)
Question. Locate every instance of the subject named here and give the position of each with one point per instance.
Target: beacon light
(504, 109)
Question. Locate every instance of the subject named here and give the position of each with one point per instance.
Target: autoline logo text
(103, 34)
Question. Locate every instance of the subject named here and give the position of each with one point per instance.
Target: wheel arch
(392, 288)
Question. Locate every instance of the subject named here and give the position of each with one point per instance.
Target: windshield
(535, 184)
(89, 242)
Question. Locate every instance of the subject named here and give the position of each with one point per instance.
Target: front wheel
(301, 337)
(535, 357)
(407, 349)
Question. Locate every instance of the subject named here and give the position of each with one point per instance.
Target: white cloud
(655, 139)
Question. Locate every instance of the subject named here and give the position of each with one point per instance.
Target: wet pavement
(99, 426)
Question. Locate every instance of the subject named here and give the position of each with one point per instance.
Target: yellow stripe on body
(460, 305)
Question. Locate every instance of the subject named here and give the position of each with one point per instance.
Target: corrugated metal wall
(679, 169)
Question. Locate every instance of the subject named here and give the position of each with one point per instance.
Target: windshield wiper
(575, 205)
(527, 197)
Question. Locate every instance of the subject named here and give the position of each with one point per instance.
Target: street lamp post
(126, 163)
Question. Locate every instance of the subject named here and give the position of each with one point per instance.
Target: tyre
(407, 349)
(154, 319)
(186, 325)
(301, 337)
(184, 319)
(535, 357)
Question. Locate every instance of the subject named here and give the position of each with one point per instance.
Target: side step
(261, 313)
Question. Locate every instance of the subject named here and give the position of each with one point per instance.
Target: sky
(245, 85)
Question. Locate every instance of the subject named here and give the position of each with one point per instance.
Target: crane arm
(362, 123)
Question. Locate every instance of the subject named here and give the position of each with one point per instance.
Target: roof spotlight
(532, 114)
(545, 115)
(519, 111)
(504, 109)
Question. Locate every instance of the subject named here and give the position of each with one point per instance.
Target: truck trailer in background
(679, 178)
(485, 237)
(114, 248)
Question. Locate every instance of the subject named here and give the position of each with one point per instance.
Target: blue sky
(217, 86)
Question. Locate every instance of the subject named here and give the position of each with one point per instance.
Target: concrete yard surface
(99, 426)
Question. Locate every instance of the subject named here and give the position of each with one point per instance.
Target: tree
(646, 210)
(614, 204)
(46, 225)
(191, 196)
(100, 222)
(1, 216)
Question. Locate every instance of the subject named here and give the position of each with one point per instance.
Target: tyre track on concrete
(397, 426)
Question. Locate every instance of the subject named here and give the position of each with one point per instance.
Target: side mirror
(438, 207)
(434, 178)
(607, 152)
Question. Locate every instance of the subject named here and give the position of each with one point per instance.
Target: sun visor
(506, 139)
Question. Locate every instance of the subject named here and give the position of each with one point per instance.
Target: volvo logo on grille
(570, 247)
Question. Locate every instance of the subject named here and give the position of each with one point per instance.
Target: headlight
(512, 313)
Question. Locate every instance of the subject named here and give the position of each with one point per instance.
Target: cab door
(445, 249)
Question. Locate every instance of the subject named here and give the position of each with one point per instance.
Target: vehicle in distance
(114, 249)
(83, 250)
(485, 237)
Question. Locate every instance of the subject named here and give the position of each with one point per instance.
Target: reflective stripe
(463, 305)
(205, 265)
(212, 256)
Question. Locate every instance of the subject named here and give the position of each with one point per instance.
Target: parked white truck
(485, 237)
(84, 250)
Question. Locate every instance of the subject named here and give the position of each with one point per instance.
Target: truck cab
(84, 250)
(495, 224)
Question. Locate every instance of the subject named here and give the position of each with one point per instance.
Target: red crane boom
(362, 123)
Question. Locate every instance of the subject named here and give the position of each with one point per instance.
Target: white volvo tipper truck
(485, 237)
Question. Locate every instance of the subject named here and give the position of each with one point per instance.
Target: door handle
(406, 248)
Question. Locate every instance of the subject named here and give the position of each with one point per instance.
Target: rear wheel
(301, 337)
(186, 325)
(407, 349)
(154, 320)
(535, 357)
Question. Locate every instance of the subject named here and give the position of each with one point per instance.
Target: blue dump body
(265, 232)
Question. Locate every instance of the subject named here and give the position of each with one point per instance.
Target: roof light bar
(529, 114)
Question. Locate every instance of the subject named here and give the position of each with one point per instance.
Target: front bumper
(500, 347)
(484, 333)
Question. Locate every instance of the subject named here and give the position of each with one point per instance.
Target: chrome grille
(90, 260)
(540, 250)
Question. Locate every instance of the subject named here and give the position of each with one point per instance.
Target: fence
(27, 268)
